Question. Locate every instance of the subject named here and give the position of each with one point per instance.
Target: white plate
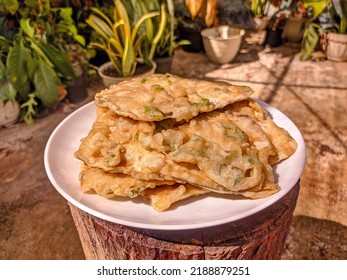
(203, 211)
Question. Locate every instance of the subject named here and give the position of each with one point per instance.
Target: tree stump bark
(260, 236)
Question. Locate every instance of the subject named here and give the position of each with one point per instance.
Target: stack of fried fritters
(167, 138)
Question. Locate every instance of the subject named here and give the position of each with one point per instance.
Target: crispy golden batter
(114, 184)
(166, 138)
(167, 96)
(226, 163)
(160, 194)
(283, 143)
(162, 197)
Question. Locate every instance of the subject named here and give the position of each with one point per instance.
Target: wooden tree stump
(260, 236)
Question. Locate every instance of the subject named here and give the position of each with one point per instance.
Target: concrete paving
(35, 222)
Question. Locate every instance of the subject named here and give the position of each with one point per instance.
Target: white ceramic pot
(9, 113)
(336, 49)
(222, 43)
(111, 80)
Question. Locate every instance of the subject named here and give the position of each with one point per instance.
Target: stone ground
(35, 222)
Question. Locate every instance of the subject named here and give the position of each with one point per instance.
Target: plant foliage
(122, 39)
(35, 63)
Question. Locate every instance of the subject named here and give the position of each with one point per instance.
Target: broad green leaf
(39, 52)
(32, 64)
(4, 43)
(29, 37)
(59, 59)
(10, 6)
(26, 27)
(16, 70)
(67, 24)
(46, 85)
(80, 39)
(62, 27)
(66, 14)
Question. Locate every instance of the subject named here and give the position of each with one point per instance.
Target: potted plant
(193, 16)
(37, 65)
(314, 10)
(273, 16)
(9, 106)
(265, 15)
(74, 44)
(295, 23)
(336, 39)
(168, 43)
(77, 90)
(327, 29)
(122, 41)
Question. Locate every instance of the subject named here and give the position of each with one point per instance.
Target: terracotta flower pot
(163, 64)
(293, 30)
(222, 43)
(142, 70)
(78, 90)
(336, 46)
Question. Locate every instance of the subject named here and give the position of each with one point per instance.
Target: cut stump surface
(260, 236)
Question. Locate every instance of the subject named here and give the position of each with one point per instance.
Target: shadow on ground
(315, 239)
